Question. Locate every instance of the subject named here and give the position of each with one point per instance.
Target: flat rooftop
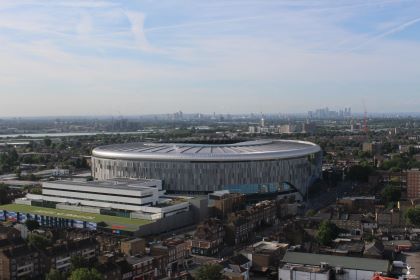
(337, 261)
(358, 198)
(266, 246)
(119, 183)
(121, 223)
(306, 268)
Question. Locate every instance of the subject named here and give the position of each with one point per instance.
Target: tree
(359, 173)
(327, 232)
(35, 190)
(18, 172)
(77, 262)
(38, 241)
(54, 275)
(85, 274)
(32, 225)
(310, 213)
(391, 194)
(413, 216)
(47, 142)
(4, 194)
(33, 177)
(209, 272)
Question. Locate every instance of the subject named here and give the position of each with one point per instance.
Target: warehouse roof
(337, 261)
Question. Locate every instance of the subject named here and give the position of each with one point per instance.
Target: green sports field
(112, 221)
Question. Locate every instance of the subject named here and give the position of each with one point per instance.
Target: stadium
(250, 167)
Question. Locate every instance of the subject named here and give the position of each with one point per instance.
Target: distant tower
(365, 121)
(262, 120)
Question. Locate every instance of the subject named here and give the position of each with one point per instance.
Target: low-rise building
(19, 263)
(59, 256)
(385, 217)
(176, 252)
(263, 213)
(357, 203)
(342, 267)
(121, 194)
(160, 265)
(125, 268)
(237, 268)
(208, 238)
(133, 247)
(109, 271)
(9, 233)
(223, 203)
(346, 221)
(413, 183)
(134, 198)
(351, 248)
(374, 250)
(265, 255)
(300, 272)
(239, 227)
(142, 267)
(6, 244)
(372, 148)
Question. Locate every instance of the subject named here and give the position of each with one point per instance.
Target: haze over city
(143, 57)
(210, 140)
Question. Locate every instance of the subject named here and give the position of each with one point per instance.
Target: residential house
(133, 247)
(142, 267)
(59, 255)
(175, 252)
(265, 255)
(18, 263)
(208, 238)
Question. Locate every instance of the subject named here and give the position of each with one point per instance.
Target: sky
(73, 57)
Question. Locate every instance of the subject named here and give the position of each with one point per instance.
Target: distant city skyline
(92, 58)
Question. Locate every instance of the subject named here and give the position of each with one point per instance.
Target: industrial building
(298, 266)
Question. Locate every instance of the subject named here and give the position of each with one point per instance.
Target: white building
(122, 194)
(303, 272)
(60, 172)
(287, 129)
(144, 198)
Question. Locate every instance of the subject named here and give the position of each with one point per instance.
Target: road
(413, 260)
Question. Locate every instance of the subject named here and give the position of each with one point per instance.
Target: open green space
(112, 221)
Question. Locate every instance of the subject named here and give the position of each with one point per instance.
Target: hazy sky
(77, 57)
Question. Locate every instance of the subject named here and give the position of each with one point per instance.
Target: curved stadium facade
(248, 167)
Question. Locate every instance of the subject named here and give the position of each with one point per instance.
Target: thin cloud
(85, 4)
(384, 34)
(69, 4)
(203, 23)
(136, 20)
(84, 28)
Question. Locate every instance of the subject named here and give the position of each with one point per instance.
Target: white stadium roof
(243, 151)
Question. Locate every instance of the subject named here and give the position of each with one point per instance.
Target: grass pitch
(112, 221)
